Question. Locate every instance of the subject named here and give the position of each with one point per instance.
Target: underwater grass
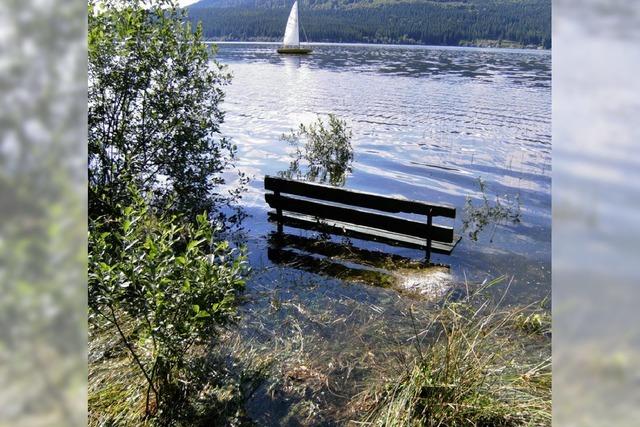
(328, 356)
(477, 371)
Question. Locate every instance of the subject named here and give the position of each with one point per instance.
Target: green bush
(162, 285)
(154, 108)
(326, 154)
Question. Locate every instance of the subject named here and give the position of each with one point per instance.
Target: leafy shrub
(327, 153)
(162, 285)
(154, 108)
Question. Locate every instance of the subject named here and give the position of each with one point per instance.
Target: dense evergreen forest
(443, 22)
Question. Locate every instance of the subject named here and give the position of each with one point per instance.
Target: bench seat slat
(308, 222)
(355, 198)
(380, 222)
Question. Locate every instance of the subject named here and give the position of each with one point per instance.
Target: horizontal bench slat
(368, 219)
(355, 198)
(307, 222)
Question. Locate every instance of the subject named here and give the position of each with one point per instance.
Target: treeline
(526, 22)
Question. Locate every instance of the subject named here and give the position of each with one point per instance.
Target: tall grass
(475, 371)
(213, 392)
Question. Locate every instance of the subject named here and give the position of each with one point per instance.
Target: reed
(476, 370)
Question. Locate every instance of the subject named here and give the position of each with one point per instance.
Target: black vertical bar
(429, 224)
(279, 214)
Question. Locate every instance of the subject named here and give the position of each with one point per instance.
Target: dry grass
(214, 392)
(477, 371)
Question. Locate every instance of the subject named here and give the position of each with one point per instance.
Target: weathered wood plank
(355, 198)
(368, 219)
(309, 222)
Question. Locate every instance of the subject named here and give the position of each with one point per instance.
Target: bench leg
(429, 224)
(279, 214)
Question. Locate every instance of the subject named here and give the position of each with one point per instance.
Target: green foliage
(163, 285)
(154, 116)
(476, 219)
(527, 22)
(326, 153)
(158, 281)
(534, 323)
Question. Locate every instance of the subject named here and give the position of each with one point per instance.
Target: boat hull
(295, 50)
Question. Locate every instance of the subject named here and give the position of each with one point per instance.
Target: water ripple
(427, 123)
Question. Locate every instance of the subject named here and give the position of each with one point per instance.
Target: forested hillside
(444, 22)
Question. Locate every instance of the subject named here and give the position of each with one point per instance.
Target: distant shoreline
(404, 45)
(522, 24)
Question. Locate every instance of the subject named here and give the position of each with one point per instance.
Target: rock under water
(433, 283)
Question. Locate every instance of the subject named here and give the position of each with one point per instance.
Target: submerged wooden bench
(358, 215)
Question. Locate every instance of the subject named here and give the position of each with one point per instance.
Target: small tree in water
(503, 210)
(326, 152)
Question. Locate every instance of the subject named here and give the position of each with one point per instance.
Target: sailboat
(291, 42)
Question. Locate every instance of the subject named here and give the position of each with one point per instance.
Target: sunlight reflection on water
(427, 123)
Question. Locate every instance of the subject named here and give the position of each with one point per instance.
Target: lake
(429, 123)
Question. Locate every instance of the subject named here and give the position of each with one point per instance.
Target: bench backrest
(338, 204)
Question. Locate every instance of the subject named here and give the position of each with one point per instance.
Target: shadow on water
(345, 261)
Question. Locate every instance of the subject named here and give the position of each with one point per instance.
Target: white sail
(291, 33)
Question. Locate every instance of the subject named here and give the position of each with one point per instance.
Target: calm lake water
(427, 123)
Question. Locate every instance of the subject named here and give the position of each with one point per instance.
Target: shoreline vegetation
(481, 23)
(462, 361)
(497, 44)
(183, 331)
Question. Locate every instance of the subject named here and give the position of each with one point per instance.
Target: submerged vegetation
(407, 362)
(535, 323)
(325, 155)
(503, 210)
(330, 359)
